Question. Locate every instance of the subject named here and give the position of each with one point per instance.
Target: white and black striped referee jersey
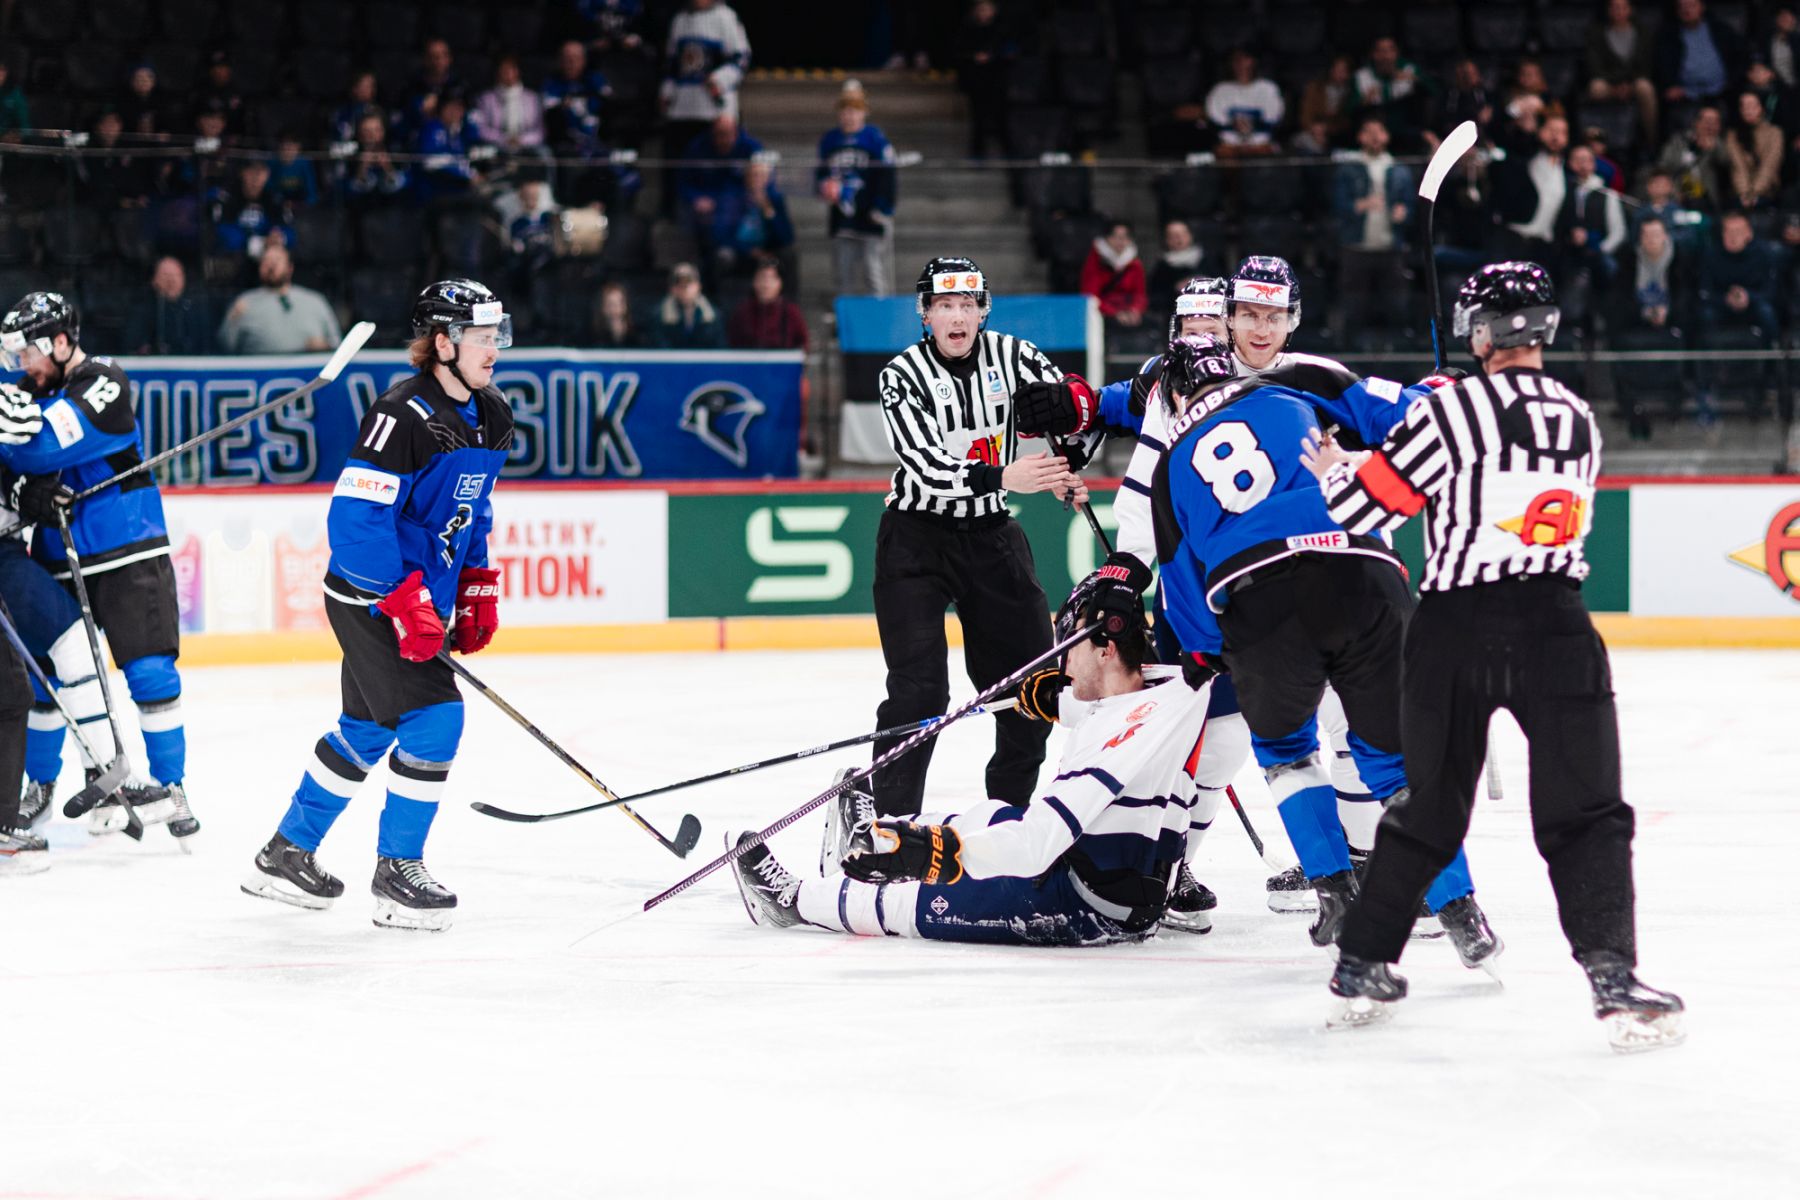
(951, 423)
(1503, 467)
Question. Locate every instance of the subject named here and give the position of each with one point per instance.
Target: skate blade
(1358, 1012)
(751, 907)
(1425, 932)
(25, 862)
(1634, 1033)
(1487, 964)
(1293, 902)
(1200, 922)
(390, 914)
(270, 888)
(156, 812)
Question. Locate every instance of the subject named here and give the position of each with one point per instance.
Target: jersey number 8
(1243, 475)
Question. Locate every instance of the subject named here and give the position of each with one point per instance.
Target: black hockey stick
(686, 837)
(113, 774)
(488, 810)
(855, 777)
(134, 828)
(347, 349)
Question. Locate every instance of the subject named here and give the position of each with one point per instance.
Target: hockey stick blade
(353, 342)
(104, 785)
(688, 836)
(1449, 153)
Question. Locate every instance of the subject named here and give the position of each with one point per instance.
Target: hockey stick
(1269, 860)
(134, 828)
(347, 349)
(855, 777)
(686, 837)
(110, 777)
(488, 810)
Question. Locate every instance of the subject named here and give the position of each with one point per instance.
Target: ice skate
(1190, 905)
(151, 802)
(1289, 892)
(1475, 940)
(34, 803)
(1367, 992)
(291, 875)
(848, 819)
(22, 852)
(1637, 1017)
(771, 892)
(182, 822)
(1335, 892)
(407, 897)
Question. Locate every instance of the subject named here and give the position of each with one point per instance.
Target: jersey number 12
(1243, 475)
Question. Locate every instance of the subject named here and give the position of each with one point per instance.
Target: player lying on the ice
(1088, 862)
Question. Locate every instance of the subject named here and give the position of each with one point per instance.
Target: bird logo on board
(1778, 554)
(720, 415)
(1551, 519)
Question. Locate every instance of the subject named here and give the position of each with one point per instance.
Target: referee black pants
(983, 568)
(1527, 646)
(15, 706)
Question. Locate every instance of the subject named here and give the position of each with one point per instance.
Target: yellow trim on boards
(858, 632)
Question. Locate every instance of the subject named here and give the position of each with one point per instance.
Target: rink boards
(722, 566)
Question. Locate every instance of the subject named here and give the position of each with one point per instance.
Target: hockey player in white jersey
(1088, 862)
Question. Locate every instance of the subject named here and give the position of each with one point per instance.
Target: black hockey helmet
(1201, 296)
(1077, 611)
(451, 306)
(1193, 362)
(35, 321)
(1505, 305)
(1266, 279)
(953, 276)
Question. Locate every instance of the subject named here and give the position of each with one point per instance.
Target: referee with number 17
(947, 539)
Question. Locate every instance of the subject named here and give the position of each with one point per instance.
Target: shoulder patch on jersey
(64, 422)
(1141, 711)
(366, 483)
(1384, 389)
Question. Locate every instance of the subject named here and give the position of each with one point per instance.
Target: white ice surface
(171, 1037)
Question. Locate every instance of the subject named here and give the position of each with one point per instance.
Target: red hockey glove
(907, 850)
(1443, 377)
(416, 622)
(477, 608)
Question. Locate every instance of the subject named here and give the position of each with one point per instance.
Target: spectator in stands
(509, 114)
(1531, 184)
(1620, 61)
(1775, 72)
(618, 328)
(114, 178)
(436, 78)
(574, 106)
(291, 175)
(1660, 203)
(360, 103)
(856, 180)
(219, 91)
(1596, 232)
(1528, 80)
(1388, 86)
(1114, 275)
(373, 179)
(985, 50)
(1754, 148)
(1656, 284)
(1738, 278)
(15, 113)
(250, 216)
(686, 320)
(143, 109)
(1595, 139)
(278, 317)
(527, 215)
(171, 319)
(446, 173)
(710, 184)
(1327, 100)
(1698, 59)
(1179, 262)
(1245, 109)
(766, 319)
(1697, 160)
(613, 24)
(707, 55)
(763, 226)
(1466, 99)
(1372, 200)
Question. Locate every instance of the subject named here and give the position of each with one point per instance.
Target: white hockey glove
(20, 416)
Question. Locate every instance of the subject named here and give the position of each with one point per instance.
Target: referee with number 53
(947, 539)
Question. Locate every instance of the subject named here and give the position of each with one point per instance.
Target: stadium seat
(1640, 385)
(1163, 31)
(1067, 242)
(394, 70)
(1037, 130)
(94, 68)
(327, 23)
(1561, 72)
(257, 70)
(321, 236)
(191, 22)
(1171, 81)
(522, 29)
(1187, 193)
(321, 73)
(391, 237)
(1058, 189)
(177, 65)
(72, 236)
(17, 243)
(1076, 31)
(628, 246)
(1734, 14)
(1564, 27)
(1431, 32)
(464, 26)
(1086, 85)
(574, 288)
(118, 20)
(131, 236)
(273, 116)
(49, 112)
(468, 243)
(1267, 189)
(391, 25)
(1225, 25)
(1029, 80)
(1296, 29)
(1618, 118)
(1282, 236)
(47, 24)
(1354, 26)
(384, 296)
(1498, 28)
(263, 23)
(1737, 384)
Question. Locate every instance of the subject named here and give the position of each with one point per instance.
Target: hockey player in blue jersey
(89, 435)
(408, 529)
(1259, 579)
(856, 180)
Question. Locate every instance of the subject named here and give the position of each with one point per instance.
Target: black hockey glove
(1198, 670)
(40, 499)
(906, 850)
(1442, 377)
(1060, 407)
(1037, 695)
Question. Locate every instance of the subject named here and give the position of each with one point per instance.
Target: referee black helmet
(1505, 305)
(953, 275)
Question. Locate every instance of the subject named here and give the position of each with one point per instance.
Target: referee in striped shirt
(947, 540)
(1503, 467)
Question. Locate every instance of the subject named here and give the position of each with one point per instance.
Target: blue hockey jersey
(1231, 494)
(414, 494)
(90, 435)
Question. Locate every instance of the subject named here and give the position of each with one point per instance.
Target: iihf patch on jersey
(1336, 540)
(468, 487)
(64, 422)
(361, 483)
(1385, 389)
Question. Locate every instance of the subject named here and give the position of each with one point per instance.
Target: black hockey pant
(1527, 646)
(984, 569)
(15, 707)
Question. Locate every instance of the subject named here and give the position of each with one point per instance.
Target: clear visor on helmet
(497, 335)
(12, 349)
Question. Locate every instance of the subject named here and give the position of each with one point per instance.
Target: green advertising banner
(812, 553)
